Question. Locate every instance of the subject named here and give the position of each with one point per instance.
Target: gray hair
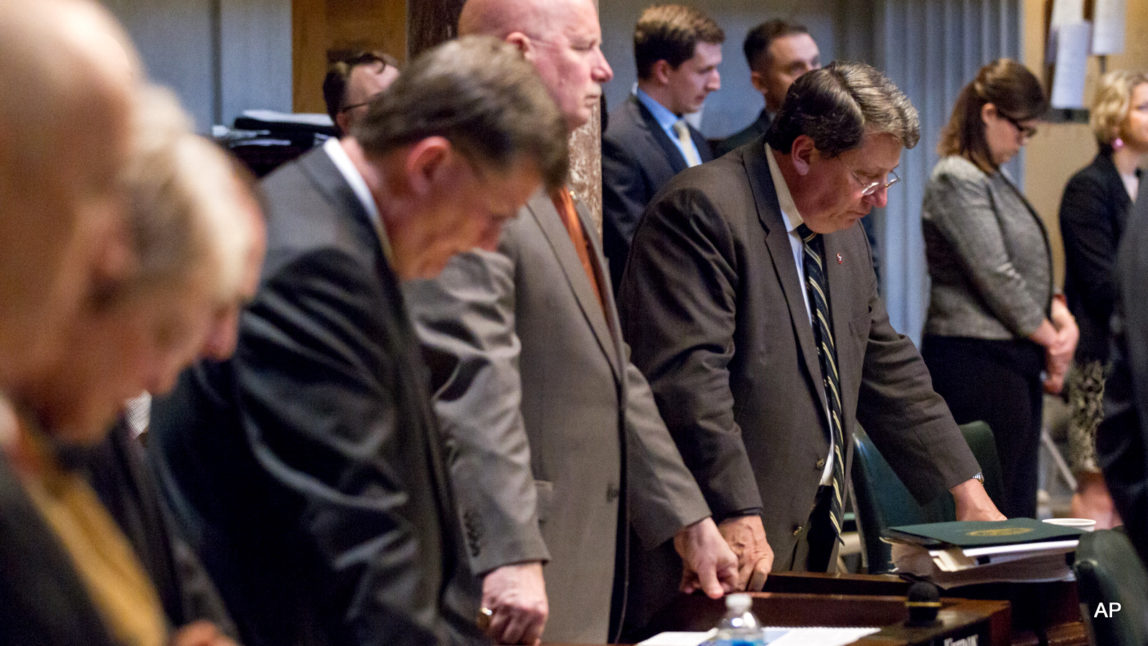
(186, 219)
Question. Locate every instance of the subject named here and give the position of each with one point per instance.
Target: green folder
(1014, 531)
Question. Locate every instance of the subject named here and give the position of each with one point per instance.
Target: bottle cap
(739, 602)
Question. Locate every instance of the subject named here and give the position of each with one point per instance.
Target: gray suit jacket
(988, 255)
(307, 470)
(554, 434)
(712, 305)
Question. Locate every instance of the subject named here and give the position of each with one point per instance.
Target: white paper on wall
(1108, 27)
(1071, 59)
(1064, 12)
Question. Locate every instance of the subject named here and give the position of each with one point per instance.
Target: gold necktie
(686, 142)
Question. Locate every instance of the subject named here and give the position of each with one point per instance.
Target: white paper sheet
(1071, 60)
(1064, 12)
(1108, 27)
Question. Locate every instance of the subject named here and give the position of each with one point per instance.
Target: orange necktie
(565, 206)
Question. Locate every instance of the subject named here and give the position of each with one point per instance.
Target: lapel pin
(840, 259)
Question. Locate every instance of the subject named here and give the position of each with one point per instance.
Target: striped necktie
(827, 356)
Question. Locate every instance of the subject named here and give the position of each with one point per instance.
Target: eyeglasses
(1028, 132)
(869, 188)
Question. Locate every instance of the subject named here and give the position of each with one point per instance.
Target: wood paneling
(323, 26)
(431, 22)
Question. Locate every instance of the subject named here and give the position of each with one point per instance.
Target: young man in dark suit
(307, 470)
(677, 50)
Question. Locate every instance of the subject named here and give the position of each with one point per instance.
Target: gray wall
(736, 104)
(220, 56)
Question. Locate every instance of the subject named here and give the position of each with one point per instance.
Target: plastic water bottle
(739, 627)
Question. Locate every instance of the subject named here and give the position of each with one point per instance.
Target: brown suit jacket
(712, 306)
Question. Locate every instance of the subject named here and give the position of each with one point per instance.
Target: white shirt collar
(789, 212)
(358, 185)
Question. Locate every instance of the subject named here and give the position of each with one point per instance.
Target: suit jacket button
(612, 493)
(797, 529)
(820, 464)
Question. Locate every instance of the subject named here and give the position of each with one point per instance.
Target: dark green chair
(1108, 571)
(883, 501)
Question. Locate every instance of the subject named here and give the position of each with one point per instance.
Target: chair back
(1113, 588)
(882, 499)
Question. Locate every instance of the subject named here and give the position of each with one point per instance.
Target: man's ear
(801, 154)
(758, 81)
(343, 122)
(522, 43)
(425, 160)
(660, 71)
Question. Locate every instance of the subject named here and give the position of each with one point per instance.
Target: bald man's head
(561, 38)
(68, 72)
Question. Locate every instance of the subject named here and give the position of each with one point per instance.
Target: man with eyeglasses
(351, 83)
(751, 305)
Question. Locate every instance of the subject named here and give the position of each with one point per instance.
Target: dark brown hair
(758, 40)
(671, 32)
(339, 74)
(837, 104)
(1015, 93)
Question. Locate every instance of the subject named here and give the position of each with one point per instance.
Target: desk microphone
(923, 602)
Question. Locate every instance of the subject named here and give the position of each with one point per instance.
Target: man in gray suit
(559, 451)
(307, 470)
(763, 365)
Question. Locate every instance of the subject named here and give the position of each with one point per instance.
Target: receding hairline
(81, 63)
(500, 18)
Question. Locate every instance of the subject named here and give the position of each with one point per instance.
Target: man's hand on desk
(516, 594)
(707, 562)
(973, 502)
(746, 537)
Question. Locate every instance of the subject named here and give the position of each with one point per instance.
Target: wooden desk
(986, 621)
(1042, 613)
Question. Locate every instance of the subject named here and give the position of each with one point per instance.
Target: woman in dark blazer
(1093, 214)
(993, 325)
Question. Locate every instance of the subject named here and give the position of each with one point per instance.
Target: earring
(1117, 143)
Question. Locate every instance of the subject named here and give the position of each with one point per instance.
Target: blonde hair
(187, 216)
(1111, 103)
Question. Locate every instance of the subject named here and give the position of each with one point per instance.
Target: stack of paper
(964, 553)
